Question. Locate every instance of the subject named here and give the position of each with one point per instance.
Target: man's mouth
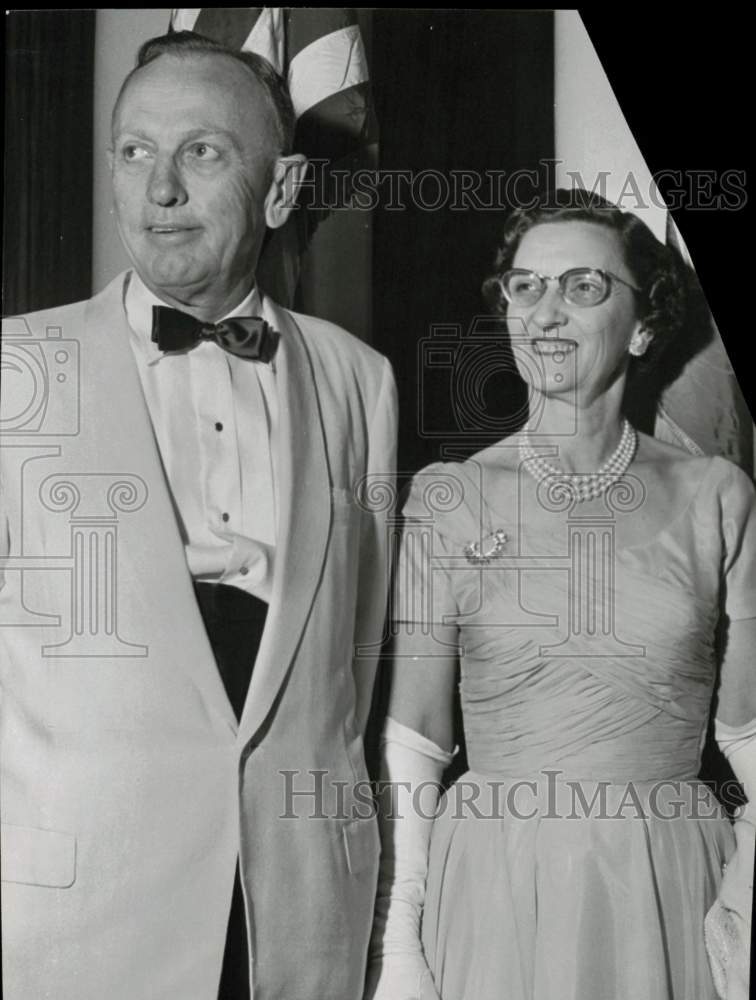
(553, 345)
(170, 229)
(171, 235)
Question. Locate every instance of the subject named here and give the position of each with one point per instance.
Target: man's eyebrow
(202, 131)
(133, 133)
(211, 130)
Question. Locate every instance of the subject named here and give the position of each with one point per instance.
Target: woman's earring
(639, 343)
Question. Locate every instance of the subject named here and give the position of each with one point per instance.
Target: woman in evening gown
(595, 588)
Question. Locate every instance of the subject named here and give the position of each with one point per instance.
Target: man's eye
(133, 152)
(202, 151)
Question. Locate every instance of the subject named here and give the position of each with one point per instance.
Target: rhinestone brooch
(474, 550)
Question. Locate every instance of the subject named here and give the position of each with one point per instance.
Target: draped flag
(690, 397)
(702, 408)
(321, 55)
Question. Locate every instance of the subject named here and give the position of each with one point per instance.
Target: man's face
(194, 151)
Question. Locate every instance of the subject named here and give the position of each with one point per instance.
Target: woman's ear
(640, 341)
(288, 174)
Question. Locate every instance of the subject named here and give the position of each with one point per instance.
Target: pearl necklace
(585, 486)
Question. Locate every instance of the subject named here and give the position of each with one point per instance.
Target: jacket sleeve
(377, 500)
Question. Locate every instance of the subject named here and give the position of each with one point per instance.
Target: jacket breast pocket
(37, 857)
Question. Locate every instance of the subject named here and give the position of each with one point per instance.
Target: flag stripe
(332, 63)
(267, 38)
(335, 126)
(306, 25)
(184, 18)
(229, 25)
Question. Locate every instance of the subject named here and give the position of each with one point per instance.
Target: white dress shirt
(215, 418)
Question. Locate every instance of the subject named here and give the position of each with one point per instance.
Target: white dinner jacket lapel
(304, 504)
(117, 435)
(122, 438)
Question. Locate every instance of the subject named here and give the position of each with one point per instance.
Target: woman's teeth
(552, 346)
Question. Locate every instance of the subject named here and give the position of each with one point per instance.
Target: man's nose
(166, 188)
(549, 310)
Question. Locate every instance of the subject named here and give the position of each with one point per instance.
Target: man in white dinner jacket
(193, 587)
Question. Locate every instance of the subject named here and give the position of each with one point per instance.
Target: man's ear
(111, 158)
(288, 174)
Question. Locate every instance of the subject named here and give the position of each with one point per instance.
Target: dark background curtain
(47, 223)
(462, 90)
(454, 90)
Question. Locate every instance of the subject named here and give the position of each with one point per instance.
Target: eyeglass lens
(579, 287)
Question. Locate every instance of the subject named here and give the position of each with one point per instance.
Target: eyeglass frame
(607, 277)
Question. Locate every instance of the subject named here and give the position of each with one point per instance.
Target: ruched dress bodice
(639, 711)
(577, 857)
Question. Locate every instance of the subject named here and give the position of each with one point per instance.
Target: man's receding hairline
(185, 56)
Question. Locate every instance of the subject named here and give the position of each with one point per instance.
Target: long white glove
(727, 927)
(412, 767)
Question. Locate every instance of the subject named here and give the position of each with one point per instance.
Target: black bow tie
(246, 336)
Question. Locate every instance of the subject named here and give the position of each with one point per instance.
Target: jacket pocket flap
(38, 857)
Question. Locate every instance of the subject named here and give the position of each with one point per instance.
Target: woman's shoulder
(456, 495)
(654, 451)
(714, 472)
(439, 489)
(710, 488)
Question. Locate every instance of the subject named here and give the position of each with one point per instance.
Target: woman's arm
(737, 686)
(422, 680)
(728, 923)
(414, 756)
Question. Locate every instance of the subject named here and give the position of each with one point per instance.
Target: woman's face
(563, 349)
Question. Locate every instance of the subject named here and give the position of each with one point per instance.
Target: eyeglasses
(580, 286)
